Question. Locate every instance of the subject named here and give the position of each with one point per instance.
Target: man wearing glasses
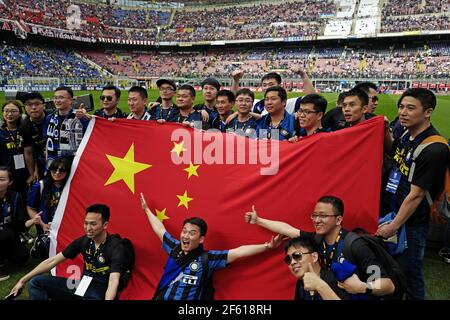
(309, 116)
(63, 131)
(327, 219)
(110, 99)
(166, 110)
(313, 281)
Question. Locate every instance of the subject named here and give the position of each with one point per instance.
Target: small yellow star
(184, 200)
(161, 215)
(192, 170)
(178, 148)
(125, 168)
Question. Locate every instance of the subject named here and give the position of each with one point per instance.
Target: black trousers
(11, 248)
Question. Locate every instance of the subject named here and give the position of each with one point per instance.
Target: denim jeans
(45, 287)
(411, 261)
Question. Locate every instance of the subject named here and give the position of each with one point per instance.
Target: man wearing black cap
(32, 129)
(210, 87)
(166, 110)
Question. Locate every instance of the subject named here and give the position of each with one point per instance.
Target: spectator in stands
(166, 109)
(110, 100)
(327, 218)
(33, 127)
(63, 131)
(15, 151)
(409, 189)
(137, 101)
(312, 109)
(278, 123)
(354, 107)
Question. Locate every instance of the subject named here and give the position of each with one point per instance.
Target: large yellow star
(178, 148)
(184, 200)
(125, 168)
(161, 215)
(192, 170)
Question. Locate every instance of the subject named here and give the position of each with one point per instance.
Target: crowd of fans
(334, 62)
(254, 20)
(321, 63)
(414, 7)
(27, 61)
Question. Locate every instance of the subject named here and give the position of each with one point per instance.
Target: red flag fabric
(118, 160)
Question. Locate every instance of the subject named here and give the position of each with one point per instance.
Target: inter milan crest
(193, 266)
(101, 259)
(284, 133)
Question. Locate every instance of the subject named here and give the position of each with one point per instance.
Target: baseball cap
(160, 82)
(24, 96)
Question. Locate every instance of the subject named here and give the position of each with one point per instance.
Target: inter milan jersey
(283, 131)
(44, 200)
(168, 114)
(194, 118)
(245, 128)
(185, 286)
(97, 262)
(258, 106)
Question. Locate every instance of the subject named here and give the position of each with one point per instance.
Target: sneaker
(3, 276)
(444, 253)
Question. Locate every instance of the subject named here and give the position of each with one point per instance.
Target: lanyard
(328, 257)
(182, 118)
(13, 136)
(244, 124)
(161, 113)
(269, 134)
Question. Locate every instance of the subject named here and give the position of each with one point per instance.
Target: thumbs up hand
(311, 280)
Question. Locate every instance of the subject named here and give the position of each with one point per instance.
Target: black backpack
(389, 264)
(206, 282)
(129, 259)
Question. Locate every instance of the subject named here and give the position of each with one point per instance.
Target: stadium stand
(200, 21)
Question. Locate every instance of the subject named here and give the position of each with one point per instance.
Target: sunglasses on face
(296, 256)
(107, 98)
(60, 170)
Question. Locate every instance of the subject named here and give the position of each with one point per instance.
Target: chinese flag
(217, 177)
